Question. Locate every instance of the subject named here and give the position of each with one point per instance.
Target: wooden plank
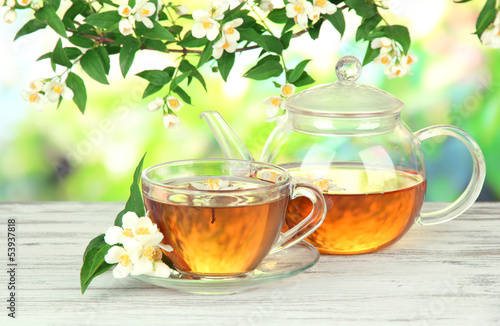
(436, 275)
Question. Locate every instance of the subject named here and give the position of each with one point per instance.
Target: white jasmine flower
(205, 25)
(222, 45)
(298, 10)
(383, 59)
(273, 105)
(397, 70)
(385, 44)
(37, 5)
(160, 269)
(144, 10)
(229, 30)
(10, 16)
(213, 184)
(491, 37)
(171, 121)
(216, 11)
(266, 5)
(125, 11)
(325, 7)
(11, 3)
(181, 10)
(125, 26)
(156, 104)
(408, 60)
(314, 14)
(287, 90)
(125, 257)
(35, 98)
(116, 234)
(36, 85)
(326, 185)
(174, 104)
(24, 3)
(54, 90)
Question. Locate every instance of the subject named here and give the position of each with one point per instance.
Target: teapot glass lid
(344, 98)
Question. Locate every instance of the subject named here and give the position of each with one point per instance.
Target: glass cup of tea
(223, 217)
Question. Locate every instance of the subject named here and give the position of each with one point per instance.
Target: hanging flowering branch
(93, 30)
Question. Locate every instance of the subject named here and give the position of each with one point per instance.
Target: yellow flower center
(212, 184)
(152, 253)
(298, 9)
(276, 102)
(230, 30)
(32, 86)
(173, 102)
(398, 72)
(410, 60)
(206, 25)
(225, 46)
(33, 98)
(125, 260)
(128, 233)
(126, 11)
(24, 1)
(58, 89)
(322, 185)
(384, 60)
(321, 3)
(287, 90)
(144, 12)
(142, 231)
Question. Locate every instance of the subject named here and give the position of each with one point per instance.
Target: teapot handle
(473, 189)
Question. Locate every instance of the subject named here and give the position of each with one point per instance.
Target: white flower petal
(167, 248)
(120, 271)
(113, 235)
(199, 186)
(114, 254)
(200, 15)
(213, 31)
(142, 266)
(147, 22)
(67, 93)
(198, 31)
(160, 269)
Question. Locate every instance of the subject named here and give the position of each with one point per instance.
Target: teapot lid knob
(348, 69)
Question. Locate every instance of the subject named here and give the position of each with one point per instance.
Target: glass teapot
(348, 139)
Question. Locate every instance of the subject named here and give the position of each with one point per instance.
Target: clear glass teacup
(223, 217)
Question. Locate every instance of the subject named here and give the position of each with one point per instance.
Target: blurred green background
(60, 154)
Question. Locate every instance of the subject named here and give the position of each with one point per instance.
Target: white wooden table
(447, 274)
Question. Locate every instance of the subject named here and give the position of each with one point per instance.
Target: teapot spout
(230, 144)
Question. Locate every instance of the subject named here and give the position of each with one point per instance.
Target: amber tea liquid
(218, 236)
(376, 208)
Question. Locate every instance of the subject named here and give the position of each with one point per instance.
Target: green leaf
(76, 84)
(158, 32)
(154, 44)
(47, 55)
(60, 57)
(267, 42)
(363, 8)
(156, 77)
(267, 67)
(104, 20)
(72, 52)
(127, 54)
(177, 80)
(76, 8)
(289, 24)
(486, 17)
(151, 89)
(134, 202)
(285, 39)
(92, 65)
(206, 54)
(399, 34)
(54, 3)
(278, 16)
(48, 15)
(104, 56)
(186, 66)
(189, 41)
(93, 261)
(304, 80)
(225, 64)
(367, 26)
(314, 31)
(295, 73)
(276, 84)
(370, 54)
(30, 27)
(81, 41)
(182, 94)
(175, 29)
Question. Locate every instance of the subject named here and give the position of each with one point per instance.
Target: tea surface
(218, 235)
(374, 208)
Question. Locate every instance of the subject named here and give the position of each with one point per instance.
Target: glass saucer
(275, 267)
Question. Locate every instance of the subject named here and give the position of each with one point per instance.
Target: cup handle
(473, 189)
(309, 224)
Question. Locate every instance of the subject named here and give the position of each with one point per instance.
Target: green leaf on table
(81, 41)
(278, 16)
(304, 80)
(104, 20)
(367, 26)
(127, 54)
(104, 56)
(76, 84)
(338, 21)
(93, 66)
(156, 77)
(189, 41)
(399, 34)
(486, 17)
(370, 54)
(267, 67)
(186, 66)
(30, 27)
(134, 203)
(48, 15)
(158, 32)
(225, 64)
(93, 261)
(183, 95)
(295, 73)
(59, 56)
(363, 8)
(72, 52)
(151, 89)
